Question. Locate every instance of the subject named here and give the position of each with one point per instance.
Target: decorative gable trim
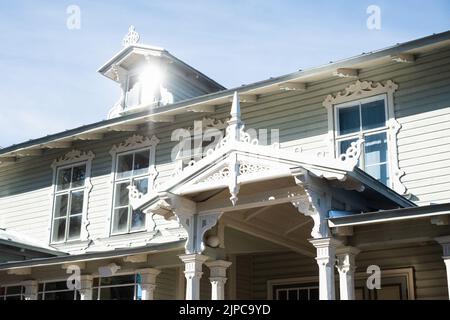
(73, 156)
(364, 89)
(135, 142)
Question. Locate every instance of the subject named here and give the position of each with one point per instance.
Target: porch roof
(39, 262)
(227, 166)
(384, 216)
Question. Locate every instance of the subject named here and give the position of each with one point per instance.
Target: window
(123, 287)
(57, 290)
(133, 165)
(143, 88)
(365, 119)
(12, 293)
(69, 201)
(303, 291)
(71, 187)
(132, 169)
(366, 109)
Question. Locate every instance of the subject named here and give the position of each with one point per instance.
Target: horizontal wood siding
(426, 261)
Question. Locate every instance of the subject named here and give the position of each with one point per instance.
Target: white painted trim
(132, 144)
(71, 159)
(363, 90)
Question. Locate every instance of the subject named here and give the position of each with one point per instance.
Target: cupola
(150, 77)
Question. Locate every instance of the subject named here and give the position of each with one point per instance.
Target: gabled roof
(206, 102)
(238, 159)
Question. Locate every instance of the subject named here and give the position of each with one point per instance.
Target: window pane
(52, 286)
(117, 293)
(142, 185)
(78, 176)
(74, 227)
(292, 294)
(121, 194)
(344, 145)
(59, 229)
(303, 294)
(141, 162)
(379, 172)
(124, 166)
(348, 120)
(314, 294)
(282, 295)
(133, 91)
(63, 180)
(65, 295)
(14, 290)
(107, 281)
(77, 202)
(375, 148)
(137, 220)
(373, 115)
(61, 205)
(94, 294)
(120, 220)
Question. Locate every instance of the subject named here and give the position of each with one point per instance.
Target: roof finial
(235, 110)
(131, 38)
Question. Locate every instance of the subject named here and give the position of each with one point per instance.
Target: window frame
(362, 133)
(98, 287)
(5, 294)
(132, 144)
(361, 90)
(130, 179)
(72, 159)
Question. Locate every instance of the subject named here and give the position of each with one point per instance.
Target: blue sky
(49, 81)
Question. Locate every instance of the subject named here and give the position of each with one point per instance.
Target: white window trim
(367, 89)
(408, 273)
(74, 157)
(22, 294)
(133, 144)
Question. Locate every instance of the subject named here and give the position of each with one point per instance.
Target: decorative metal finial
(131, 38)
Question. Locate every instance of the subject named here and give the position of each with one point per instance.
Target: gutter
(384, 216)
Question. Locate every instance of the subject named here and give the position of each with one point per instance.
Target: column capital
(445, 243)
(193, 272)
(148, 272)
(193, 258)
(218, 268)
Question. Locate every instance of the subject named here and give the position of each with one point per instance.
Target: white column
(326, 250)
(31, 289)
(218, 278)
(86, 287)
(346, 267)
(193, 272)
(148, 282)
(445, 243)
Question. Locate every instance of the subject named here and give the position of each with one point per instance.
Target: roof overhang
(41, 262)
(386, 216)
